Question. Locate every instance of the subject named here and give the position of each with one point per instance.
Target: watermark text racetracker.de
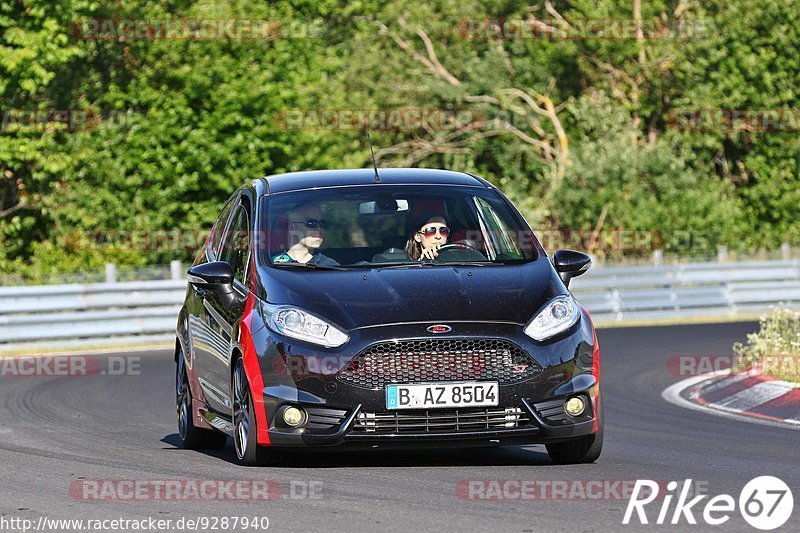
(532, 490)
(195, 29)
(174, 490)
(561, 29)
(49, 120)
(616, 241)
(70, 366)
(736, 120)
(697, 365)
(409, 119)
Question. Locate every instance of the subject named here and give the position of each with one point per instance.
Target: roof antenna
(374, 164)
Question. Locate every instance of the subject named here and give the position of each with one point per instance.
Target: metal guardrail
(711, 290)
(48, 317)
(97, 314)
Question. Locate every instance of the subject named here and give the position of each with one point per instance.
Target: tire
(585, 449)
(192, 438)
(245, 426)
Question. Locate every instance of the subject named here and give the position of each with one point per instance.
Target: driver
(306, 233)
(427, 237)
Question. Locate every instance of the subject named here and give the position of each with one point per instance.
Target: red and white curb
(747, 396)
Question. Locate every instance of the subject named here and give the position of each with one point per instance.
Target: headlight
(294, 322)
(559, 314)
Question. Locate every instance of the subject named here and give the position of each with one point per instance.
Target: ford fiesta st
(347, 308)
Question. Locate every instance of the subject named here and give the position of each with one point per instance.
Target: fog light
(293, 416)
(575, 406)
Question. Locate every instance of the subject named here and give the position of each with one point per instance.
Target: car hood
(443, 293)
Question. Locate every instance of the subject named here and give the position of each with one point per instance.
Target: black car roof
(293, 181)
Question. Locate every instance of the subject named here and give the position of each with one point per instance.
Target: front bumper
(340, 414)
(348, 434)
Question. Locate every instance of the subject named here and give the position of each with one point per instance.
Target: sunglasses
(431, 231)
(313, 223)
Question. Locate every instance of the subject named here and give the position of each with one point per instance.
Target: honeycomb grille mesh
(415, 361)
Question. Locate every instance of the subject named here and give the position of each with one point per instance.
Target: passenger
(306, 233)
(427, 237)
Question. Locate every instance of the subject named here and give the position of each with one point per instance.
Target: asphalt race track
(56, 431)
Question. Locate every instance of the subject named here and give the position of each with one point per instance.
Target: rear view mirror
(382, 206)
(570, 264)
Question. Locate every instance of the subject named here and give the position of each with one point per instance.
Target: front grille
(440, 421)
(416, 361)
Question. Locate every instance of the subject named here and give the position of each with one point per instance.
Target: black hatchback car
(346, 309)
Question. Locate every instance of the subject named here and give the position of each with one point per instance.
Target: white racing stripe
(672, 394)
(721, 384)
(755, 396)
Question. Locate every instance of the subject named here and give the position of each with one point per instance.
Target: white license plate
(436, 395)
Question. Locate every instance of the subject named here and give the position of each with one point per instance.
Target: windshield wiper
(311, 266)
(396, 265)
(420, 264)
(463, 263)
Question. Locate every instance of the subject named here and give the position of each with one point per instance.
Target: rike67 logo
(765, 503)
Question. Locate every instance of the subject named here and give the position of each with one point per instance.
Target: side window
(501, 236)
(235, 249)
(219, 230)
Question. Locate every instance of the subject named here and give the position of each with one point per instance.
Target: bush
(641, 186)
(775, 348)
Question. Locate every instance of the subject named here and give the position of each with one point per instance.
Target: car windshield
(392, 225)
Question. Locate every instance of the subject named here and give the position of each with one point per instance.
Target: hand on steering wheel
(430, 253)
(433, 253)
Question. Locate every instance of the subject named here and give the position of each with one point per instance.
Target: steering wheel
(467, 252)
(458, 246)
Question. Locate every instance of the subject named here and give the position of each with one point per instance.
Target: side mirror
(570, 264)
(208, 275)
(215, 276)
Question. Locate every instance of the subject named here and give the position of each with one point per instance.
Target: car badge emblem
(520, 368)
(439, 328)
